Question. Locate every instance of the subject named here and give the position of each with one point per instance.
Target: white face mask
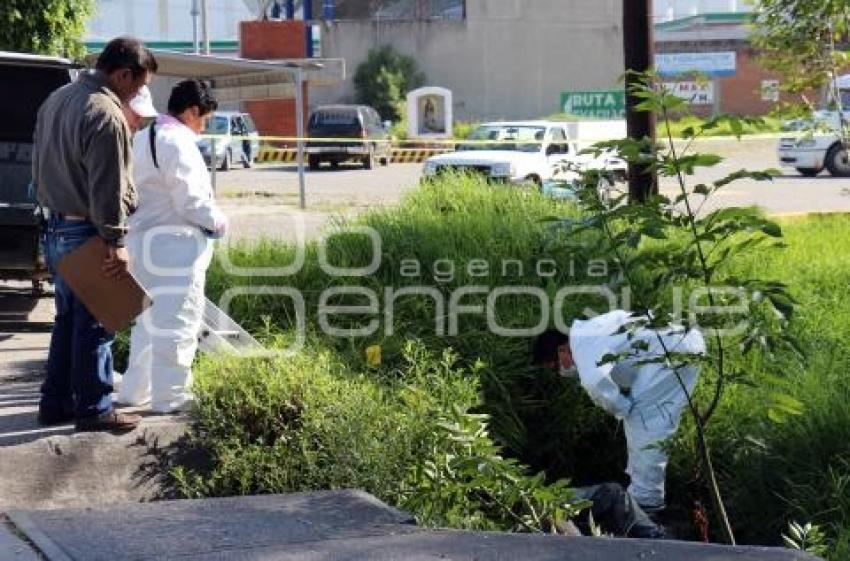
(571, 372)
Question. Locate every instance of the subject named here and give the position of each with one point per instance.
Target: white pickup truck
(518, 152)
(811, 153)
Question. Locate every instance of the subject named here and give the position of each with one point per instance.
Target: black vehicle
(25, 82)
(370, 139)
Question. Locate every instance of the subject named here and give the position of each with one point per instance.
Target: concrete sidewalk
(330, 525)
(25, 325)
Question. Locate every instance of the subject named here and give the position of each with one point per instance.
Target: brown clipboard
(115, 303)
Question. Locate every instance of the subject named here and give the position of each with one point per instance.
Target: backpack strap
(152, 137)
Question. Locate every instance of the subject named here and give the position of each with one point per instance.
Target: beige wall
(510, 59)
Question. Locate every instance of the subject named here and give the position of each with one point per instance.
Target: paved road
(790, 193)
(262, 201)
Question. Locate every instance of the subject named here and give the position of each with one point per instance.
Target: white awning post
(299, 128)
(213, 164)
(205, 26)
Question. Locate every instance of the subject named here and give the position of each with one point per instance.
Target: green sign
(601, 104)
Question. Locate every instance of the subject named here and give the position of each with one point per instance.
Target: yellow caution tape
(397, 155)
(451, 143)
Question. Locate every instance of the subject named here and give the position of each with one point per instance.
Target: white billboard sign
(711, 63)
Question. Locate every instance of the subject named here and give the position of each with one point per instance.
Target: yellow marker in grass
(373, 355)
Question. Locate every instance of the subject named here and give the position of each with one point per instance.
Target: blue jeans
(79, 365)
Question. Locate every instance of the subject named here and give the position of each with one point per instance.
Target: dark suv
(330, 125)
(25, 82)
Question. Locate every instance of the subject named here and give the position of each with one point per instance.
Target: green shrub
(463, 129)
(768, 125)
(465, 482)
(309, 422)
(384, 79)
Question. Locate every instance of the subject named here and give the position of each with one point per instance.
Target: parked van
(370, 139)
(25, 82)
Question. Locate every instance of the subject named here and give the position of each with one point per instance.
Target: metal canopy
(232, 72)
(16, 59)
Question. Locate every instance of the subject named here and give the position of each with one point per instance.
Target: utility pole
(639, 54)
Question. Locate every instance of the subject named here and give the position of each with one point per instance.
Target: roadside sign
(598, 104)
(770, 90)
(695, 93)
(713, 64)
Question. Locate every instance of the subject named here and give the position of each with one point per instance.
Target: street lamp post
(195, 12)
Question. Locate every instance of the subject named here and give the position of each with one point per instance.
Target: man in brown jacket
(83, 175)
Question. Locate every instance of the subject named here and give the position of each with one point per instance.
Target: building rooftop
(720, 26)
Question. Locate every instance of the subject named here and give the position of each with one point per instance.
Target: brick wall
(265, 40)
(276, 117)
(741, 94)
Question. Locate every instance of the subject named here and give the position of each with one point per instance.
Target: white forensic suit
(652, 407)
(170, 249)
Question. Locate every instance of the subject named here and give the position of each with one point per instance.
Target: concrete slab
(330, 525)
(89, 469)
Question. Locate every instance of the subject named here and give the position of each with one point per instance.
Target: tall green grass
(771, 472)
(463, 221)
(798, 469)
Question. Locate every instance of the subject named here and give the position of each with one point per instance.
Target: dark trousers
(617, 513)
(79, 364)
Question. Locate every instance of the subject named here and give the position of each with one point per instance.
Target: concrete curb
(12, 547)
(45, 545)
(340, 525)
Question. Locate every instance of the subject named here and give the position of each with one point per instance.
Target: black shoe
(109, 422)
(650, 532)
(52, 418)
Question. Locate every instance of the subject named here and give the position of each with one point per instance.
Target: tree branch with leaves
(46, 27)
(669, 242)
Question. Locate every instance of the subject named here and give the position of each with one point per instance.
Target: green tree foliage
(798, 38)
(47, 27)
(384, 79)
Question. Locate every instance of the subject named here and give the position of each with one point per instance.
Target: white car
(811, 153)
(518, 152)
(227, 125)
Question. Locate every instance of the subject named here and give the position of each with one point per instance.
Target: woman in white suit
(170, 248)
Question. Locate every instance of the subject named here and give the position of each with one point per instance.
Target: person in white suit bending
(170, 248)
(647, 396)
